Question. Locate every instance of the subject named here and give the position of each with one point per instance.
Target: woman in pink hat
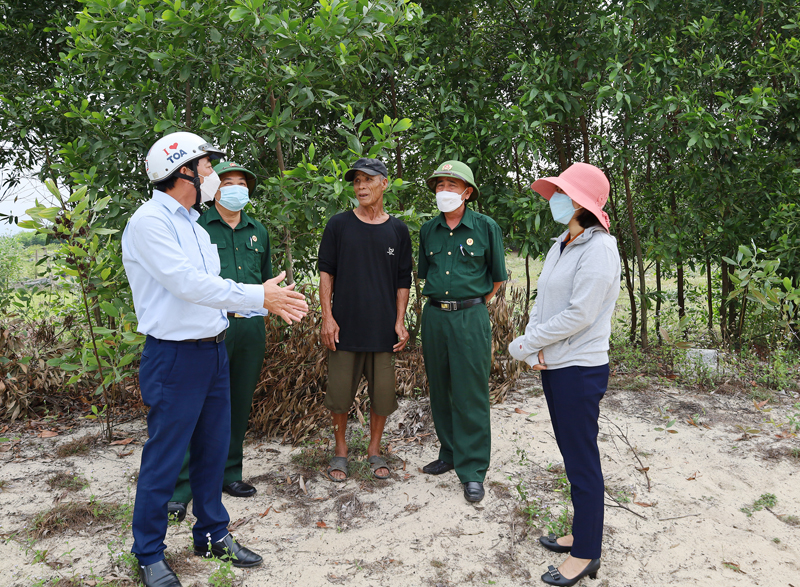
(567, 340)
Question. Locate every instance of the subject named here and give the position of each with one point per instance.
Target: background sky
(25, 194)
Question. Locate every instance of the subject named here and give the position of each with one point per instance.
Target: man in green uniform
(243, 246)
(462, 260)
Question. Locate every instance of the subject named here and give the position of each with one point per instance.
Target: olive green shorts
(344, 374)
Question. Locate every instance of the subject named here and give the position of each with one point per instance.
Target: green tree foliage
(690, 108)
(11, 253)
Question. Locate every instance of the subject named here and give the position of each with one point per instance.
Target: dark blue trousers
(573, 397)
(187, 387)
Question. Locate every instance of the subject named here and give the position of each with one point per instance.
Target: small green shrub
(767, 500)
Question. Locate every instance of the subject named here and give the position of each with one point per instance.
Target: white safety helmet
(174, 151)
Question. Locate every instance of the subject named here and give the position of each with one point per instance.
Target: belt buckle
(449, 306)
(220, 337)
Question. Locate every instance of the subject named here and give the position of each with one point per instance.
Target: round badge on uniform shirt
(255, 238)
(470, 242)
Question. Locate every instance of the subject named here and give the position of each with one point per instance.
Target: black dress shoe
(176, 511)
(229, 549)
(549, 542)
(553, 577)
(437, 467)
(158, 575)
(473, 491)
(239, 489)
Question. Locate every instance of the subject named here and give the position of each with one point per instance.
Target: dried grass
(68, 481)
(184, 562)
(76, 516)
(288, 400)
(26, 380)
(78, 446)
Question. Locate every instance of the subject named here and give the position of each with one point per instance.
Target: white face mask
(448, 201)
(209, 186)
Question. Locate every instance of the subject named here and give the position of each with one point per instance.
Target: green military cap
(458, 170)
(227, 166)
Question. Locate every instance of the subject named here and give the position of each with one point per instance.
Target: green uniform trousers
(244, 341)
(457, 347)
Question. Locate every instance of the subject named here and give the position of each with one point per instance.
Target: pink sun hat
(584, 184)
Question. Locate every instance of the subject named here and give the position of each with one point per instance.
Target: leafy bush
(10, 260)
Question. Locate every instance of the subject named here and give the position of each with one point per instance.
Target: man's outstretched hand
(284, 301)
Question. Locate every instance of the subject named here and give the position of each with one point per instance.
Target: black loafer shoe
(158, 575)
(437, 467)
(553, 577)
(239, 489)
(473, 491)
(549, 542)
(176, 511)
(229, 549)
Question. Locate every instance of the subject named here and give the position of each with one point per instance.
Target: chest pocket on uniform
(254, 252)
(434, 255)
(224, 256)
(473, 259)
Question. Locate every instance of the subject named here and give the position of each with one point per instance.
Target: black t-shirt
(369, 263)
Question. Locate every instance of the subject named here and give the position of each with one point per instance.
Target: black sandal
(549, 542)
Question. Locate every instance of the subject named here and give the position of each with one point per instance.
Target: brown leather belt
(234, 315)
(451, 306)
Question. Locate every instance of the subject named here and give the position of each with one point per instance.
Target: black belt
(234, 315)
(449, 306)
(218, 338)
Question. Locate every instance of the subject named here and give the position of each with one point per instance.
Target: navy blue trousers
(573, 397)
(187, 387)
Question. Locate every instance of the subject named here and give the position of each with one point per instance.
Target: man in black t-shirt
(365, 279)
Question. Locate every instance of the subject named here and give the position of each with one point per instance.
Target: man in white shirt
(181, 304)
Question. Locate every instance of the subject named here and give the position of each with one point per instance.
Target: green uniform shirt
(243, 251)
(464, 262)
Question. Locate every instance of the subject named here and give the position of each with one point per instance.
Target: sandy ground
(414, 529)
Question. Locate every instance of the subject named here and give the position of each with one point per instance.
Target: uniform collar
(212, 215)
(173, 205)
(467, 220)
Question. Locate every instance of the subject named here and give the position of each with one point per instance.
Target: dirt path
(687, 529)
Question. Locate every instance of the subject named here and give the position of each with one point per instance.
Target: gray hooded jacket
(571, 318)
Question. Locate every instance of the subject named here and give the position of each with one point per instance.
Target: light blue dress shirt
(173, 270)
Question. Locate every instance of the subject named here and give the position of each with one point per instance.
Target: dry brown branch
(620, 505)
(624, 437)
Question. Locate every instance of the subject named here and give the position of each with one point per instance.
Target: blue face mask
(561, 208)
(234, 197)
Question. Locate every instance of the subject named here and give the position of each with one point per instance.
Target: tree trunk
(629, 278)
(658, 299)
(723, 303)
(287, 236)
(637, 245)
(631, 287)
(527, 257)
(187, 90)
(527, 283)
(559, 144)
(710, 295)
(678, 258)
(585, 135)
(397, 152)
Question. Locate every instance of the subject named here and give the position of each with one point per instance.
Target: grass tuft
(68, 481)
(76, 516)
(79, 446)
